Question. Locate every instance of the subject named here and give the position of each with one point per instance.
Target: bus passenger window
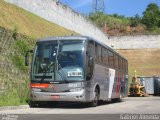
(120, 64)
(116, 61)
(111, 60)
(98, 53)
(105, 56)
(126, 66)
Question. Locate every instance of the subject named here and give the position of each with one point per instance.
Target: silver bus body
(110, 80)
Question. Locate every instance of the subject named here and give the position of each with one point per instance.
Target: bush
(23, 46)
(135, 21)
(19, 62)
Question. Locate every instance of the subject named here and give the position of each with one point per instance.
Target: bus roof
(78, 38)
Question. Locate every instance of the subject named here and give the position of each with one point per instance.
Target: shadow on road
(71, 105)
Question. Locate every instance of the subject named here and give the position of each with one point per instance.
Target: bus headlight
(75, 90)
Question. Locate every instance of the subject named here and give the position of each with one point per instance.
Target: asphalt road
(130, 105)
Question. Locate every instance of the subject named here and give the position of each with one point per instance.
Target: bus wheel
(120, 97)
(33, 104)
(94, 103)
(117, 99)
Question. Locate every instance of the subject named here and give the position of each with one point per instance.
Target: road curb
(13, 107)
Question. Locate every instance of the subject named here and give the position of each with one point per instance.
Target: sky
(128, 8)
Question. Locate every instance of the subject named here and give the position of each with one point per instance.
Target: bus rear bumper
(65, 96)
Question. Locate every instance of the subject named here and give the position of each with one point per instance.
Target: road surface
(131, 105)
(130, 108)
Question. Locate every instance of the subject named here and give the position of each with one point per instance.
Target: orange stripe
(39, 85)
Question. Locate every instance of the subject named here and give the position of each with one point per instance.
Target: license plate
(55, 97)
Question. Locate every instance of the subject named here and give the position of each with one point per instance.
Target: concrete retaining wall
(135, 42)
(61, 15)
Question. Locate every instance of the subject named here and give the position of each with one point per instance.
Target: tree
(135, 21)
(151, 17)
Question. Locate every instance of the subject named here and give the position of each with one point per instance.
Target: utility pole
(98, 6)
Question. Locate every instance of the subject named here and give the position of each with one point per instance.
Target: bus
(76, 69)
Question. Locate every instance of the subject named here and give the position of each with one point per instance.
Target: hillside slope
(116, 25)
(13, 17)
(144, 61)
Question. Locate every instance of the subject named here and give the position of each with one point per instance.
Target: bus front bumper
(62, 96)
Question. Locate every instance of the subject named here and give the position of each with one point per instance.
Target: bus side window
(98, 53)
(105, 56)
(116, 61)
(119, 63)
(90, 60)
(126, 66)
(111, 59)
(123, 65)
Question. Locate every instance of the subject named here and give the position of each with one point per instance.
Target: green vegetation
(19, 62)
(110, 23)
(18, 59)
(151, 17)
(17, 95)
(115, 24)
(14, 78)
(101, 19)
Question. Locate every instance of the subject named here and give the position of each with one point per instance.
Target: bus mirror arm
(27, 57)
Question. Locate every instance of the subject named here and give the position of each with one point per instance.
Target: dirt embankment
(145, 61)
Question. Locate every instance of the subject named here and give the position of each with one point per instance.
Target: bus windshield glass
(59, 60)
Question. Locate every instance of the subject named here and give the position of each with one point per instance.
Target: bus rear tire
(94, 103)
(120, 97)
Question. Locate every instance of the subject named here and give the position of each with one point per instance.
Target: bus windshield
(59, 60)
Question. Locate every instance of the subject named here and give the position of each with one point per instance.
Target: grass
(13, 17)
(116, 22)
(17, 95)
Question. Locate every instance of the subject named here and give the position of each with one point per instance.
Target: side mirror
(27, 57)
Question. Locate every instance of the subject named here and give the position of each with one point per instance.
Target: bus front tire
(33, 104)
(94, 103)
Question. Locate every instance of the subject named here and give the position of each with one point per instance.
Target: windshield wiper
(46, 69)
